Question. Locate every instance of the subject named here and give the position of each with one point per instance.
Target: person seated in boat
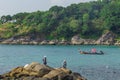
(93, 50)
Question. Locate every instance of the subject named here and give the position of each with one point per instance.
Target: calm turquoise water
(94, 67)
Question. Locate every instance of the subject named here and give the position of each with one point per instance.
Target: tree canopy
(84, 19)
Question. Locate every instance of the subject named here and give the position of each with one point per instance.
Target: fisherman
(45, 60)
(93, 50)
(64, 64)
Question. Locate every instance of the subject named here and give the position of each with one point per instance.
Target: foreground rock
(37, 71)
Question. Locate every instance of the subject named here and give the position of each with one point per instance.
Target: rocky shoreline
(108, 38)
(37, 71)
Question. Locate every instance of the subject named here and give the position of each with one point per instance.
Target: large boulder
(19, 72)
(58, 73)
(44, 42)
(77, 40)
(108, 38)
(117, 43)
(53, 42)
(77, 76)
(39, 68)
(63, 74)
(37, 71)
(64, 42)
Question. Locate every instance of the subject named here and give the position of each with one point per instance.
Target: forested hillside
(89, 20)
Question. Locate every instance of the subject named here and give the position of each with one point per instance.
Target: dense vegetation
(89, 20)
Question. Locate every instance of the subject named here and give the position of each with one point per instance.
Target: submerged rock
(37, 71)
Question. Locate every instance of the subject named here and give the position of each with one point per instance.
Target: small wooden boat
(97, 53)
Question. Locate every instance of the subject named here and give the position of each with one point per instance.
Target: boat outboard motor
(101, 52)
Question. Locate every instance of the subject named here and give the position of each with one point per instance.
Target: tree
(74, 25)
(3, 19)
(19, 17)
(111, 17)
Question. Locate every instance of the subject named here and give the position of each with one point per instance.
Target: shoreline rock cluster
(37, 71)
(108, 38)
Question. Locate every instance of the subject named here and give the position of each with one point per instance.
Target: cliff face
(37, 71)
(108, 38)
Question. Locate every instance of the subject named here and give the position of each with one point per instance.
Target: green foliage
(89, 20)
(7, 30)
(74, 25)
(110, 14)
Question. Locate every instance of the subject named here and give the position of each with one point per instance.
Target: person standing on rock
(64, 64)
(45, 60)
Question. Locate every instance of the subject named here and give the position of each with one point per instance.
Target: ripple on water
(101, 73)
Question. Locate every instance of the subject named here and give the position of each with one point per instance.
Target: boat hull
(100, 53)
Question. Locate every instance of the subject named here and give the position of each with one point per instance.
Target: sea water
(93, 67)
